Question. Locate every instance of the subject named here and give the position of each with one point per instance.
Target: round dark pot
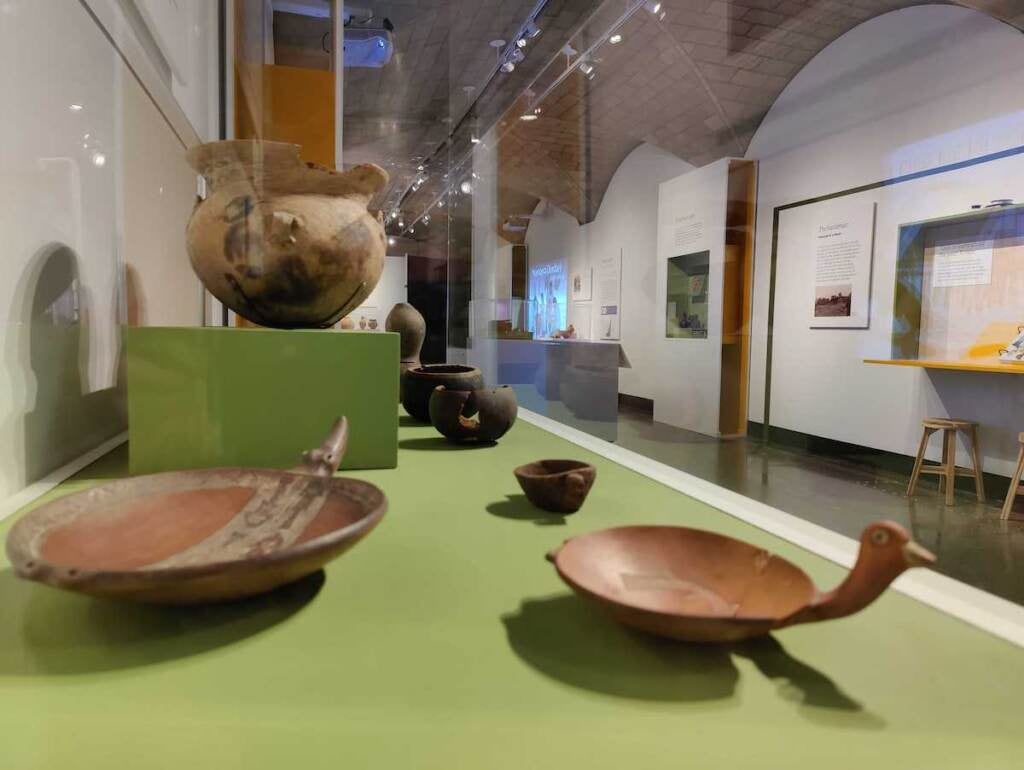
(418, 385)
(496, 410)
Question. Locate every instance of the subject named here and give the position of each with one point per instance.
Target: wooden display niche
(959, 328)
(737, 294)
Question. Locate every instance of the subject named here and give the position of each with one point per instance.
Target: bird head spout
(886, 548)
(886, 551)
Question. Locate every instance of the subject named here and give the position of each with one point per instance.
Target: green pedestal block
(206, 397)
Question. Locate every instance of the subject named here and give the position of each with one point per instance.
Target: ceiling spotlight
(521, 42)
(392, 241)
(426, 219)
(531, 29)
(517, 56)
(99, 159)
(528, 117)
(466, 187)
(615, 39)
(75, 107)
(586, 68)
(401, 222)
(440, 203)
(420, 167)
(508, 67)
(474, 140)
(652, 7)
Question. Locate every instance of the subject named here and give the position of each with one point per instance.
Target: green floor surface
(445, 641)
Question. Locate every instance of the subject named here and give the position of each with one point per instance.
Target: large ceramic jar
(281, 242)
(418, 385)
(411, 327)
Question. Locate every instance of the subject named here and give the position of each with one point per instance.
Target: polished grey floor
(971, 542)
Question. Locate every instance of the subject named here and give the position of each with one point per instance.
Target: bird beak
(916, 556)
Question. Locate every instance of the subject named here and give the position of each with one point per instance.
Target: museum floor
(972, 544)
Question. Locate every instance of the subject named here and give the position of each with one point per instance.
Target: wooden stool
(947, 470)
(1015, 486)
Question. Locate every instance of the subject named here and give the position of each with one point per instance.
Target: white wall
(626, 220)
(93, 205)
(911, 90)
(687, 388)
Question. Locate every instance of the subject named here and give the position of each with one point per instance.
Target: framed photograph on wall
(842, 244)
(581, 285)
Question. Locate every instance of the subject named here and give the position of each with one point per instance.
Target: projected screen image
(548, 295)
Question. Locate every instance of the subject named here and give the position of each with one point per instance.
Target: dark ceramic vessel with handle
(495, 408)
(559, 486)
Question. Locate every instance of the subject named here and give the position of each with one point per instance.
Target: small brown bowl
(559, 486)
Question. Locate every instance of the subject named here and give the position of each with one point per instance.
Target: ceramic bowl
(559, 486)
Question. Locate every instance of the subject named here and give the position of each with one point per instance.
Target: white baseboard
(986, 611)
(19, 500)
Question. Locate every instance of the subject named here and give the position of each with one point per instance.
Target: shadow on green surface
(574, 642)
(440, 444)
(518, 507)
(806, 685)
(406, 421)
(46, 631)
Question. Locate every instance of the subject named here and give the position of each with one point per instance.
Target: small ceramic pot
(496, 410)
(418, 385)
(559, 486)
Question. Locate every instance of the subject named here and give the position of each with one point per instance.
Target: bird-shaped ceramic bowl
(202, 535)
(700, 586)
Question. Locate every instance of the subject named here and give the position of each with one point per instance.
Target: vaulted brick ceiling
(697, 83)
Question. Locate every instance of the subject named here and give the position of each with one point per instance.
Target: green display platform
(205, 397)
(445, 641)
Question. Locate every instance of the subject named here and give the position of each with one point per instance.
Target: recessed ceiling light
(392, 241)
(615, 39)
(466, 187)
(474, 139)
(99, 159)
(528, 117)
(75, 107)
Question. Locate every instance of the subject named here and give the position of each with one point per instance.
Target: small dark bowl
(559, 486)
(418, 385)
